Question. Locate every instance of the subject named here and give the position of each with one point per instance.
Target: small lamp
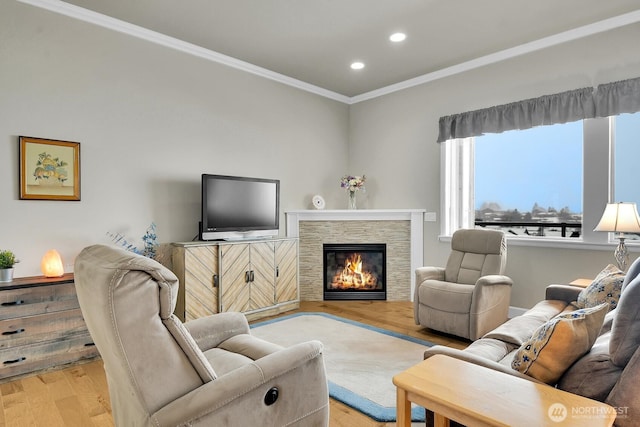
(51, 264)
(622, 218)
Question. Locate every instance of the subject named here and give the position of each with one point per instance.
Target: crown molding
(114, 24)
(543, 43)
(82, 14)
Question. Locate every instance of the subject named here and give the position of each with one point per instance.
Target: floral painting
(49, 169)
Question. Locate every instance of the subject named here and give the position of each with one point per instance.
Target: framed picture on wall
(49, 169)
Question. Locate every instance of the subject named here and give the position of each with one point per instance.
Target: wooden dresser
(41, 325)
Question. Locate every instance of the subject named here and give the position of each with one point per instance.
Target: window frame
(597, 186)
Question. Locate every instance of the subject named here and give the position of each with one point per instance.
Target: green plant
(7, 259)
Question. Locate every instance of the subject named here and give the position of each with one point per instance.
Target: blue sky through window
(543, 165)
(627, 157)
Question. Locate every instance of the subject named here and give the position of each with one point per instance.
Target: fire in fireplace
(355, 271)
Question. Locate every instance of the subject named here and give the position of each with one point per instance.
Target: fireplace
(355, 271)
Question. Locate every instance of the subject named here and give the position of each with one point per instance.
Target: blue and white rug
(361, 360)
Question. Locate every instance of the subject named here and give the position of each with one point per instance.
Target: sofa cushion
(625, 330)
(593, 375)
(632, 272)
(490, 349)
(606, 287)
(558, 343)
(520, 328)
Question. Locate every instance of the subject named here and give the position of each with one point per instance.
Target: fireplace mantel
(415, 217)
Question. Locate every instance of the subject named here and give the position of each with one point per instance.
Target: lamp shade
(51, 264)
(621, 217)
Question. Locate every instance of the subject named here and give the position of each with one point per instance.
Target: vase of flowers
(352, 184)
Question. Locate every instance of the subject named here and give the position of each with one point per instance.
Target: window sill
(546, 242)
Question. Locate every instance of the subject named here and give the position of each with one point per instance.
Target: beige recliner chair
(206, 372)
(471, 296)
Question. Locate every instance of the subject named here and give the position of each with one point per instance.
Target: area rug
(361, 360)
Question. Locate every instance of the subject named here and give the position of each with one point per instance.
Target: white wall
(150, 121)
(395, 136)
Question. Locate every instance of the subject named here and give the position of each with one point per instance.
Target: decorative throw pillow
(557, 344)
(606, 287)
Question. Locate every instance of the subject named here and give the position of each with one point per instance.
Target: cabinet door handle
(18, 360)
(215, 280)
(277, 271)
(8, 304)
(251, 276)
(17, 331)
(247, 276)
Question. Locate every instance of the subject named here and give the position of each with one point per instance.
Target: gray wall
(398, 133)
(150, 121)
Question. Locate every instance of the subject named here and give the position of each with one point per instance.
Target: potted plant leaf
(7, 261)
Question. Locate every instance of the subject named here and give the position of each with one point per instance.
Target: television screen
(239, 207)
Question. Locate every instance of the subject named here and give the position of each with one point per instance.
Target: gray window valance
(586, 103)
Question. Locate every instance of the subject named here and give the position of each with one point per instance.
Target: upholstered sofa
(609, 371)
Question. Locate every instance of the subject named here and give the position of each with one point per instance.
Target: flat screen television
(236, 208)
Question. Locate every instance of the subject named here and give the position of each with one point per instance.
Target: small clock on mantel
(318, 202)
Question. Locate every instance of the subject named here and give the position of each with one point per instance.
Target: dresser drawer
(43, 327)
(29, 301)
(45, 354)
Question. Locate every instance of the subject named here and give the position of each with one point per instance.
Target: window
(625, 160)
(529, 182)
(550, 182)
(627, 154)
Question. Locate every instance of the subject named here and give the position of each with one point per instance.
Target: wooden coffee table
(477, 396)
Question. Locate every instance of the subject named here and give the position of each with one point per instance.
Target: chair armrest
(494, 279)
(566, 293)
(429, 273)
(422, 274)
(210, 331)
(215, 395)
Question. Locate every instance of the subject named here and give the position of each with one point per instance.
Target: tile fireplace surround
(400, 229)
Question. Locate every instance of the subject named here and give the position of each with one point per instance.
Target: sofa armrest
(489, 304)
(210, 331)
(217, 400)
(476, 360)
(566, 293)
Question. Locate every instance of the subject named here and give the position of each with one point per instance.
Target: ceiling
(313, 42)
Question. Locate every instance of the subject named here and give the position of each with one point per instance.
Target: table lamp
(621, 218)
(51, 264)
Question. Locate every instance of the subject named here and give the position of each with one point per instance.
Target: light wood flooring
(78, 395)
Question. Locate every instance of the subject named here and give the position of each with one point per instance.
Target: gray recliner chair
(210, 371)
(471, 295)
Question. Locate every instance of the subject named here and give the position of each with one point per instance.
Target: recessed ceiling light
(397, 37)
(357, 65)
